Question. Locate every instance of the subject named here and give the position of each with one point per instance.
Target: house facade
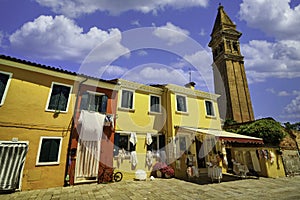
(35, 122)
(187, 107)
(139, 130)
(50, 118)
(95, 113)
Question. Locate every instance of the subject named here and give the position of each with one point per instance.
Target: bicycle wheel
(118, 176)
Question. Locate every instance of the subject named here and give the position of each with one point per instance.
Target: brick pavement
(262, 188)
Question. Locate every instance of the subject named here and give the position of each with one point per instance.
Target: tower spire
(229, 72)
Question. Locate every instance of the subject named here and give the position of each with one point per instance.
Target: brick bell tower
(229, 72)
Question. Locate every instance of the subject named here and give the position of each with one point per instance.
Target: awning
(224, 135)
(12, 156)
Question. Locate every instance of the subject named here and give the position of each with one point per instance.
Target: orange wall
(23, 116)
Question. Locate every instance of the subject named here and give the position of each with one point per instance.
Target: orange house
(96, 104)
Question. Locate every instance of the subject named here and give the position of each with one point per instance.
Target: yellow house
(36, 116)
(140, 121)
(195, 138)
(187, 107)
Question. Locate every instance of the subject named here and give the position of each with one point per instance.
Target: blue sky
(161, 42)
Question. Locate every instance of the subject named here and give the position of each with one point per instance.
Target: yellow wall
(275, 169)
(139, 119)
(268, 169)
(125, 166)
(196, 114)
(23, 116)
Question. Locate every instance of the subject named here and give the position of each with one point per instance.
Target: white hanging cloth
(133, 138)
(89, 143)
(91, 125)
(149, 157)
(148, 139)
(133, 158)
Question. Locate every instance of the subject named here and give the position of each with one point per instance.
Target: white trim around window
(155, 109)
(6, 86)
(125, 104)
(209, 111)
(185, 103)
(42, 157)
(50, 95)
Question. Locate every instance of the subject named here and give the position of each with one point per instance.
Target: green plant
(268, 129)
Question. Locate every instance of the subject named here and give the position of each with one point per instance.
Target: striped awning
(12, 158)
(225, 135)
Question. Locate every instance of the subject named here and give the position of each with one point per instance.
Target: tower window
(221, 47)
(228, 44)
(235, 46)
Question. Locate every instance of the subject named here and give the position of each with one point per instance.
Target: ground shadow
(203, 179)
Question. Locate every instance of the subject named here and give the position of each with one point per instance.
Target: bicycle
(117, 176)
(107, 174)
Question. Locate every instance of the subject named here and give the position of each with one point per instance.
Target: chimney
(190, 85)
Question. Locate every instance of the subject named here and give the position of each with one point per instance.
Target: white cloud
(142, 53)
(1, 38)
(135, 23)
(155, 73)
(202, 32)
(201, 70)
(283, 93)
(280, 58)
(75, 8)
(265, 59)
(293, 107)
(112, 71)
(61, 39)
(171, 34)
(274, 17)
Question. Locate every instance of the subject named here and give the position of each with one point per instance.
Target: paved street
(262, 188)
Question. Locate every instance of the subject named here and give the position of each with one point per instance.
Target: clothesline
(138, 132)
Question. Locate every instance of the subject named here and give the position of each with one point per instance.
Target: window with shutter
(49, 151)
(59, 97)
(181, 105)
(96, 102)
(209, 108)
(127, 99)
(4, 84)
(154, 103)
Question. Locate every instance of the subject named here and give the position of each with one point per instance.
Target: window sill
(210, 116)
(58, 112)
(46, 164)
(154, 113)
(181, 113)
(126, 109)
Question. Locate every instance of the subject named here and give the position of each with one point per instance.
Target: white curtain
(89, 144)
(87, 161)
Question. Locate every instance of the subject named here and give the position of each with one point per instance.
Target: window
(181, 103)
(59, 97)
(209, 108)
(127, 99)
(4, 84)
(235, 46)
(158, 144)
(49, 151)
(121, 141)
(94, 102)
(154, 103)
(182, 143)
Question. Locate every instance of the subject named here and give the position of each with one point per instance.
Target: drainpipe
(70, 153)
